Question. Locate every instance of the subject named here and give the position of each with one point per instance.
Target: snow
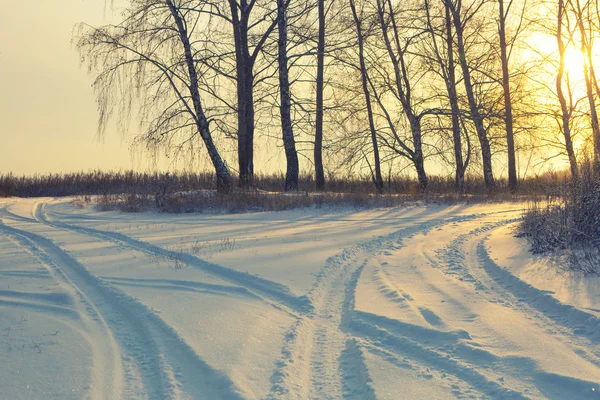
(543, 273)
(413, 302)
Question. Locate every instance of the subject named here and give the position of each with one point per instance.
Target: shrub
(568, 222)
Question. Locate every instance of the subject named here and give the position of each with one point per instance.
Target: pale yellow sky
(48, 117)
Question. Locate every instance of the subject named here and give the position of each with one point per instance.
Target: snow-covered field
(410, 303)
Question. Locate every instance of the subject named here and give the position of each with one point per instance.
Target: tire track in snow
(453, 256)
(387, 288)
(578, 321)
(169, 367)
(329, 342)
(310, 338)
(322, 342)
(430, 347)
(403, 346)
(403, 342)
(9, 214)
(500, 286)
(315, 346)
(463, 352)
(255, 283)
(106, 380)
(355, 373)
(418, 343)
(462, 360)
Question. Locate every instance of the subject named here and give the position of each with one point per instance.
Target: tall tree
(475, 113)
(566, 111)
(402, 83)
(149, 57)
(508, 113)
(377, 178)
(289, 143)
(446, 68)
(318, 149)
(245, 59)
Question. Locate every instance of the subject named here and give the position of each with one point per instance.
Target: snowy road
(418, 302)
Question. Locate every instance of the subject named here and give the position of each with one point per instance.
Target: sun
(543, 45)
(574, 63)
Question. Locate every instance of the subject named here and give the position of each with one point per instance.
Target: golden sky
(48, 117)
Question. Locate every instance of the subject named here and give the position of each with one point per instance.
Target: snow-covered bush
(568, 222)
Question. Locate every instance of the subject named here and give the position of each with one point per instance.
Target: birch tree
(148, 60)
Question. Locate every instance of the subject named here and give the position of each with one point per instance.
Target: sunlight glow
(574, 61)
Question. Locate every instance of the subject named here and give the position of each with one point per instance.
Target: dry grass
(567, 223)
(196, 192)
(240, 201)
(141, 184)
(97, 183)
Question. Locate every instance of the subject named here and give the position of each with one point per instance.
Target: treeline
(153, 184)
(100, 183)
(375, 85)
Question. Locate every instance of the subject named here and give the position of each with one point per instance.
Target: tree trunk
(363, 72)
(221, 170)
(508, 117)
(586, 50)
(565, 113)
(453, 100)
(319, 173)
(291, 176)
(245, 94)
(418, 160)
(245, 88)
(403, 88)
(448, 71)
(486, 153)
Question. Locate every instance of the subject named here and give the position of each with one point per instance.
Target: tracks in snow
(134, 342)
(467, 261)
(323, 355)
(319, 360)
(499, 285)
(107, 369)
(260, 286)
(336, 335)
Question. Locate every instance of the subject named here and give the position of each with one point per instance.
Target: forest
(480, 88)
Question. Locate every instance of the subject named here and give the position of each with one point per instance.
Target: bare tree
(377, 178)
(566, 111)
(149, 57)
(397, 52)
(291, 177)
(245, 57)
(460, 19)
(234, 35)
(445, 66)
(318, 149)
(508, 113)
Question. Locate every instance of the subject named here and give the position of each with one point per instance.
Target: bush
(568, 222)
